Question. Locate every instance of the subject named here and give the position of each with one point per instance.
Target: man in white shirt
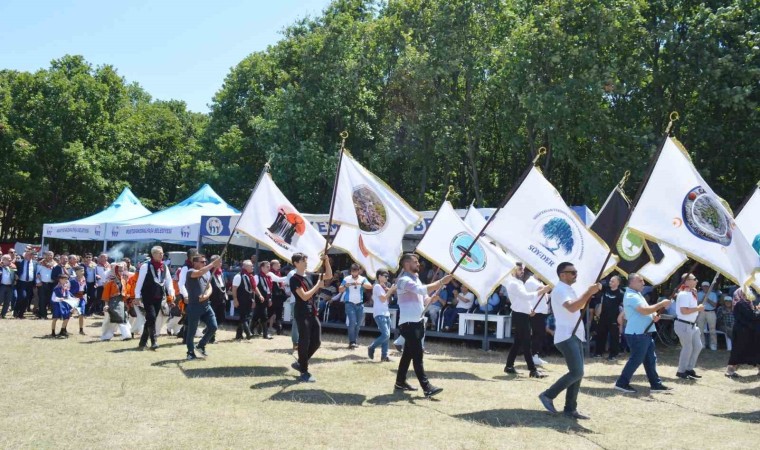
(27, 270)
(687, 312)
(412, 296)
(523, 302)
(569, 339)
(708, 316)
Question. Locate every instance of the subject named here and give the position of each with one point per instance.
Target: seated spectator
(726, 318)
(494, 301)
(435, 308)
(465, 300)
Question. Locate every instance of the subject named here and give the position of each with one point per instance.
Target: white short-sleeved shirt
(354, 294)
(686, 299)
(565, 320)
(379, 307)
(466, 304)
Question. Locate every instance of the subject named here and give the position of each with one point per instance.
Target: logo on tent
(287, 227)
(705, 218)
(370, 210)
(49, 231)
(214, 226)
(474, 259)
(97, 230)
(115, 232)
(185, 232)
(630, 245)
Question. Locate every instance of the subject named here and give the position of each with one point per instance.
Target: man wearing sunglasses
(198, 308)
(567, 305)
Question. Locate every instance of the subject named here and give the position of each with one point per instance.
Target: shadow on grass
(281, 383)
(755, 392)
(750, 416)
(319, 397)
(504, 418)
(389, 399)
(639, 378)
(350, 357)
(284, 351)
(233, 371)
(454, 376)
(745, 379)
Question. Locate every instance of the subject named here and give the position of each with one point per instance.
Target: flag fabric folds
(538, 227)
(270, 219)
(633, 251)
(678, 208)
(748, 221)
(372, 216)
(448, 239)
(659, 272)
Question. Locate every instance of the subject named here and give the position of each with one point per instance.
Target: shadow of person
(279, 383)
(233, 371)
(755, 392)
(748, 416)
(350, 357)
(456, 376)
(319, 397)
(503, 418)
(388, 399)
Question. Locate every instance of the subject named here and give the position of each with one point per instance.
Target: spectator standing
(352, 288)
(708, 316)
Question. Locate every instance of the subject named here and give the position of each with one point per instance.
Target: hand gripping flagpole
(265, 170)
(343, 137)
(652, 162)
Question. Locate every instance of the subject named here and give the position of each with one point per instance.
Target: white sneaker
(538, 361)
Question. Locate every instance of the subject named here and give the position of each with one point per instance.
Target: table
(503, 324)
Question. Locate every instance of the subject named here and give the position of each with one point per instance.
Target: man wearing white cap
(708, 315)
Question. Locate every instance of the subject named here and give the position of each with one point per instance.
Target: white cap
(705, 283)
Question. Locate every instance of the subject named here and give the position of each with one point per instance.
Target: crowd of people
(142, 300)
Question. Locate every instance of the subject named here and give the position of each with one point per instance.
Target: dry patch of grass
(82, 393)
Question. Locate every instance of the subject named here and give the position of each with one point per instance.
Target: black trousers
(278, 306)
(152, 309)
(98, 306)
(522, 342)
(44, 293)
(604, 328)
(538, 333)
(244, 324)
(309, 337)
(92, 299)
(218, 308)
(24, 295)
(413, 333)
(261, 315)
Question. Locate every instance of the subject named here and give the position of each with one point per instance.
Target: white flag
(372, 216)
(748, 221)
(538, 227)
(678, 208)
(270, 219)
(349, 240)
(446, 242)
(475, 220)
(658, 273)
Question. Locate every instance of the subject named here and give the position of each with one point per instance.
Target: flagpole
(507, 198)
(264, 171)
(675, 291)
(652, 162)
(343, 136)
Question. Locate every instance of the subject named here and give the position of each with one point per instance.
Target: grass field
(83, 393)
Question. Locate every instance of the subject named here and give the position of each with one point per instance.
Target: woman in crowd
(381, 297)
(114, 308)
(78, 288)
(746, 338)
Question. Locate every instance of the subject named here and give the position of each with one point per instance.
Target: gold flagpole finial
(449, 192)
(343, 137)
(268, 165)
(541, 152)
(624, 180)
(673, 119)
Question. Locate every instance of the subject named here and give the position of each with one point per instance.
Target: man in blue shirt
(639, 338)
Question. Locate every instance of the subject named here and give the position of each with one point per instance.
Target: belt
(685, 321)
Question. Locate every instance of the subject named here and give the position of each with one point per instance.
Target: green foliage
(433, 93)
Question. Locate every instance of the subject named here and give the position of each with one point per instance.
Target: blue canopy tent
(93, 228)
(178, 224)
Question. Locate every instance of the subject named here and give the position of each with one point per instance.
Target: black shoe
(510, 370)
(63, 333)
(399, 348)
(267, 336)
(537, 374)
(385, 359)
(53, 335)
(432, 390)
(191, 357)
(659, 388)
(154, 347)
(685, 376)
(140, 348)
(352, 346)
(370, 352)
(596, 356)
(296, 366)
(627, 389)
(547, 402)
(404, 387)
(202, 351)
(693, 374)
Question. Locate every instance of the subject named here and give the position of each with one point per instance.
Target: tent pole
(105, 245)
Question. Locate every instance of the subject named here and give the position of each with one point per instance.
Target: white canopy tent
(93, 228)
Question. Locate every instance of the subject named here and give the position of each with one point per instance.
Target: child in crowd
(61, 308)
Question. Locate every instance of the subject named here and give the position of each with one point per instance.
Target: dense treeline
(433, 93)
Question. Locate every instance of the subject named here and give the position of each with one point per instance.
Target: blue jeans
(384, 325)
(355, 313)
(450, 316)
(642, 351)
(572, 350)
(195, 313)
